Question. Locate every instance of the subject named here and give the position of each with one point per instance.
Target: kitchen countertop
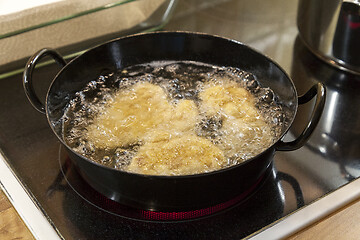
(11, 225)
(342, 224)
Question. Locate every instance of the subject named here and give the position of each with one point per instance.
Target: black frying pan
(171, 193)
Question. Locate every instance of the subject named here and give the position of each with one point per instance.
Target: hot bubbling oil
(196, 84)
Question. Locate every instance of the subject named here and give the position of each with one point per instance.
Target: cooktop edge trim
(313, 212)
(33, 218)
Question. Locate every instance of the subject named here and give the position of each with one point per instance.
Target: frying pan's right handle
(27, 77)
(319, 91)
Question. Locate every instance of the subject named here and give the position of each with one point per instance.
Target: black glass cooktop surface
(329, 160)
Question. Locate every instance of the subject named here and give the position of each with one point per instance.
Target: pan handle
(319, 91)
(27, 77)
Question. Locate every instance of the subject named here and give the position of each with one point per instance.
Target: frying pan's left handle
(319, 91)
(27, 77)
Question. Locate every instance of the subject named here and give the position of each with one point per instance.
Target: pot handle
(319, 91)
(27, 77)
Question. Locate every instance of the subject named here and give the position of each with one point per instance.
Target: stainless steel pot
(331, 30)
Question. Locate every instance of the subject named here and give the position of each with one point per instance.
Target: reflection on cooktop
(336, 137)
(265, 205)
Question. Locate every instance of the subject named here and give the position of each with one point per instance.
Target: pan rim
(267, 58)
